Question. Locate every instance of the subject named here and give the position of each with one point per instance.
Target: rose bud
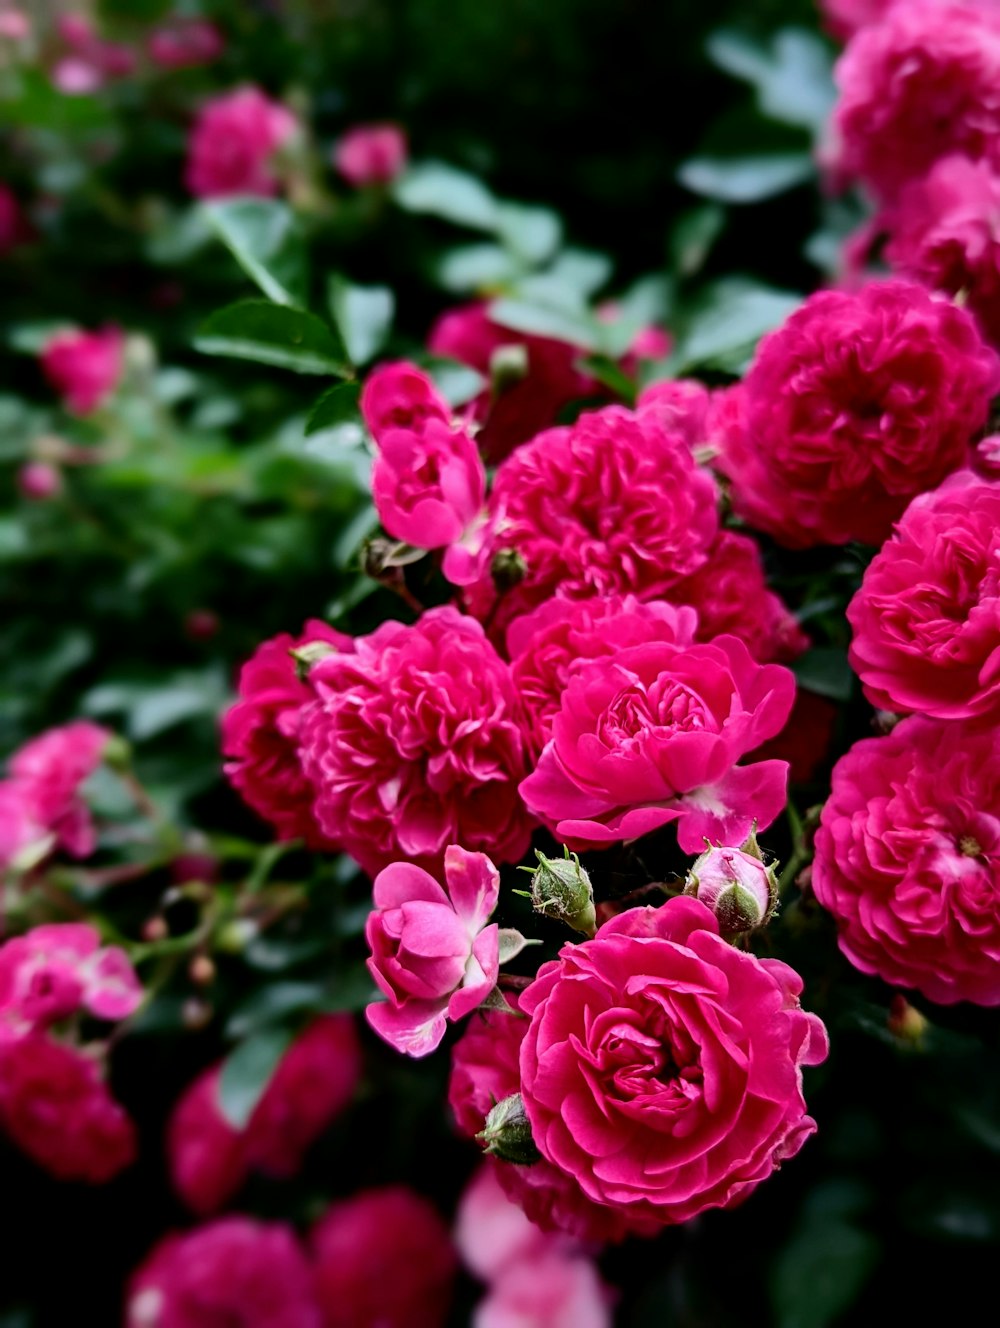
(561, 889)
(739, 888)
(507, 1134)
(37, 481)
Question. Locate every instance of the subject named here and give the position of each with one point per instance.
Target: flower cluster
(233, 144)
(54, 1102)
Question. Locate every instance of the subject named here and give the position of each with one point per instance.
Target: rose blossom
(315, 1080)
(662, 1066)
(731, 596)
(844, 18)
(416, 743)
(84, 367)
(184, 43)
(55, 1106)
(491, 1232)
(232, 1271)
(914, 88)
(433, 954)
(232, 143)
(926, 620)
(38, 481)
(22, 839)
(943, 233)
(652, 734)
(484, 1070)
(54, 970)
(611, 505)
(908, 859)
(371, 154)
(857, 403)
(549, 644)
(553, 1290)
(260, 734)
(383, 1259)
(428, 483)
(681, 405)
(50, 770)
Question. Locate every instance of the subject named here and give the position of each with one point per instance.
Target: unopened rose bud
(561, 889)
(39, 481)
(236, 935)
(155, 929)
(905, 1022)
(201, 971)
(507, 1134)
(508, 366)
(309, 654)
(736, 885)
(201, 625)
(507, 569)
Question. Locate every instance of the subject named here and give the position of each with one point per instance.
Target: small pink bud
(736, 885)
(38, 481)
(201, 624)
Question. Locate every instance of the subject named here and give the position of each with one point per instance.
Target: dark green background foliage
(675, 140)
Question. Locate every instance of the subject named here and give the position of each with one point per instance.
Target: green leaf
(792, 76)
(820, 1273)
(693, 235)
(731, 317)
(273, 334)
(545, 321)
(247, 1071)
(273, 1003)
(29, 338)
(584, 271)
(456, 382)
(363, 315)
(476, 267)
(532, 234)
(746, 179)
(338, 405)
(825, 670)
(642, 305)
(439, 190)
(511, 943)
(262, 235)
(352, 989)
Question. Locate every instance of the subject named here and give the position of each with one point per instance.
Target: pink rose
(184, 43)
(916, 87)
(84, 367)
(731, 596)
(549, 644)
(553, 1290)
(232, 1271)
(652, 734)
(20, 832)
(926, 620)
(433, 954)
(491, 1232)
(613, 504)
(55, 970)
(416, 743)
(383, 1259)
(428, 482)
(260, 734)
(55, 1106)
(50, 771)
(484, 1070)
(943, 233)
(860, 401)
(662, 1066)
(681, 405)
(233, 143)
(314, 1082)
(908, 859)
(371, 154)
(38, 481)
(844, 18)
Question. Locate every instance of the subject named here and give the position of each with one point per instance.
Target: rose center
(969, 847)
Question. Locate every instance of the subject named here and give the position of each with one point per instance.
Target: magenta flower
(184, 43)
(927, 617)
(653, 734)
(233, 142)
(48, 773)
(234, 1271)
(55, 970)
(84, 367)
(371, 154)
(908, 859)
(55, 1106)
(661, 1068)
(433, 953)
(383, 1259)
